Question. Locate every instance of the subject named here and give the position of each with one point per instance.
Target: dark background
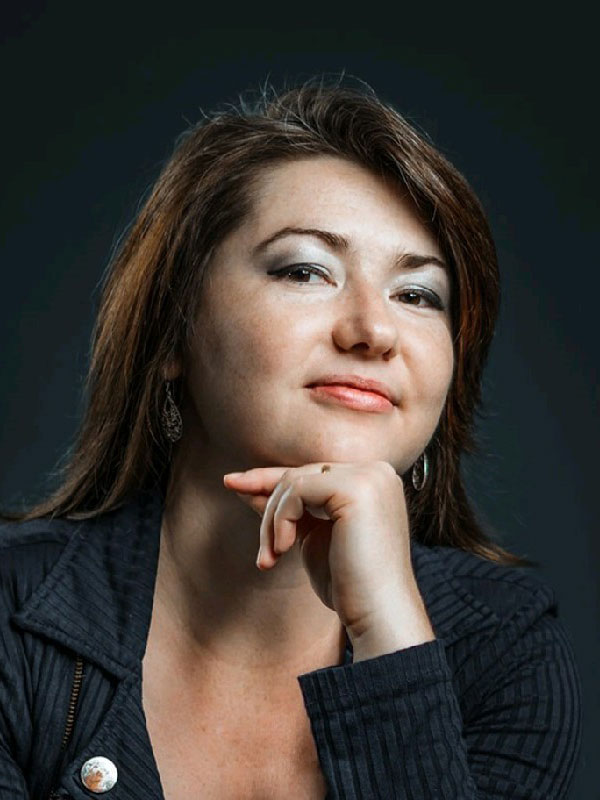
(92, 102)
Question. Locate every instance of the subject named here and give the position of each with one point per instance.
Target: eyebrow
(340, 243)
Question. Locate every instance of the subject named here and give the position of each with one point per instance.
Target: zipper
(77, 678)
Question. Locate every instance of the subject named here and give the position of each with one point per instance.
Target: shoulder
(29, 694)
(504, 589)
(28, 551)
(470, 596)
(14, 533)
(33, 537)
(503, 620)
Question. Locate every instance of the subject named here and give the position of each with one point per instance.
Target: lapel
(97, 601)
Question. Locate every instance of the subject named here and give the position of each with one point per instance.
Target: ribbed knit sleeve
(393, 727)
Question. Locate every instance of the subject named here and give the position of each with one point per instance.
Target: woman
(288, 354)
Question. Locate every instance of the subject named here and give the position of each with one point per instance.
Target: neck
(217, 604)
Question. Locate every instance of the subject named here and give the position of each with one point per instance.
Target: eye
(431, 297)
(309, 269)
(295, 269)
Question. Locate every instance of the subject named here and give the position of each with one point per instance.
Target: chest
(224, 746)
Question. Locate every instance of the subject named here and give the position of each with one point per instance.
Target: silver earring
(171, 418)
(424, 460)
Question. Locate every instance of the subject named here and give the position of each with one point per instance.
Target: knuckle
(375, 478)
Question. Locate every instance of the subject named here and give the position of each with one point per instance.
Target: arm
(391, 726)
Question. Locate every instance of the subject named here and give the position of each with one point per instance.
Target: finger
(272, 481)
(261, 480)
(267, 557)
(317, 493)
(289, 510)
(258, 503)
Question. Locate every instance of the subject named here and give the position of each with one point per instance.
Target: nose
(365, 322)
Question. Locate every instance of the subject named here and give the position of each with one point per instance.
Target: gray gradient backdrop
(92, 102)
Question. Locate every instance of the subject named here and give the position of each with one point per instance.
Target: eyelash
(431, 297)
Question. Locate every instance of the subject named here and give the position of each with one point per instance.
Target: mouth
(351, 397)
(357, 383)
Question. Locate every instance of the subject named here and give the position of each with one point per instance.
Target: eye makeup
(307, 269)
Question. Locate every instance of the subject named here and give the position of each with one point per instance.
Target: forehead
(328, 191)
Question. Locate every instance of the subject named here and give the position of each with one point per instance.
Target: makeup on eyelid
(285, 273)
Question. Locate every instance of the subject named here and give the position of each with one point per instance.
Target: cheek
(253, 340)
(429, 359)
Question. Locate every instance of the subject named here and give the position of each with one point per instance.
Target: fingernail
(258, 557)
(232, 474)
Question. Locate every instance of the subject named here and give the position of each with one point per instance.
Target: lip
(351, 397)
(356, 382)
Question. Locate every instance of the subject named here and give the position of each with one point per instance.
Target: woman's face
(262, 338)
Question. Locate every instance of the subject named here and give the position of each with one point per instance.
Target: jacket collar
(97, 599)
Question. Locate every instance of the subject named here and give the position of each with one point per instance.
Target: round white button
(99, 774)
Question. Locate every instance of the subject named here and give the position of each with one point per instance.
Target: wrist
(395, 627)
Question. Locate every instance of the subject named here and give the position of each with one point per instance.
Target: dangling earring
(425, 471)
(171, 418)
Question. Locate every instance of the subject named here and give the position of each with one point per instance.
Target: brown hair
(153, 284)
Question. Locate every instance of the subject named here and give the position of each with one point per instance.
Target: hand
(351, 523)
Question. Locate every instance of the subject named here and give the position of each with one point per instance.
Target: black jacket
(490, 709)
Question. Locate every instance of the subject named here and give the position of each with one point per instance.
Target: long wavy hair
(151, 290)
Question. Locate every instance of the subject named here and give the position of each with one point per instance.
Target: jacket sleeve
(392, 727)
